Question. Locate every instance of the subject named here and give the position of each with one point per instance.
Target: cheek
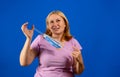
(63, 27)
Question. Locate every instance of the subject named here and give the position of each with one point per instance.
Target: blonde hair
(66, 36)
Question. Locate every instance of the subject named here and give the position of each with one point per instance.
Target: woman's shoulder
(76, 43)
(40, 36)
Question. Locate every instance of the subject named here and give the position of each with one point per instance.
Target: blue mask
(50, 40)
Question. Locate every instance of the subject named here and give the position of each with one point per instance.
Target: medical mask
(49, 39)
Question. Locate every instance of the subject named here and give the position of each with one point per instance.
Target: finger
(74, 54)
(74, 59)
(24, 25)
(74, 51)
(33, 27)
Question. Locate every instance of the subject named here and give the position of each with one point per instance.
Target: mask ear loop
(49, 39)
(38, 31)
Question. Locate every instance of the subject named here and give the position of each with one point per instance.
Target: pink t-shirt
(54, 62)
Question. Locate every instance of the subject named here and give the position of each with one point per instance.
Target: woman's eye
(51, 21)
(58, 20)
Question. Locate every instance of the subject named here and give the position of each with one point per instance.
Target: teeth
(55, 27)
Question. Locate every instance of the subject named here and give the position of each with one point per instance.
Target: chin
(57, 33)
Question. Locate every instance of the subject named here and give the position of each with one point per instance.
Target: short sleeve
(76, 44)
(35, 45)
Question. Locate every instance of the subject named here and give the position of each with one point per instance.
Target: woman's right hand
(28, 33)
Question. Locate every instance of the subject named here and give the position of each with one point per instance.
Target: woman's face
(56, 24)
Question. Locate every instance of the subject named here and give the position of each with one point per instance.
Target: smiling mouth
(55, 28)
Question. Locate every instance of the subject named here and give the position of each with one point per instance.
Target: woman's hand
(76, 54)
(78, 65)
(28, 33)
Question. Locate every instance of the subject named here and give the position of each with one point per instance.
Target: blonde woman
(53, 62)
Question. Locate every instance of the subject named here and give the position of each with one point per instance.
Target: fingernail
(26, 23)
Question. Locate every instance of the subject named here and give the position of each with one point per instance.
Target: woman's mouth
(55, 28)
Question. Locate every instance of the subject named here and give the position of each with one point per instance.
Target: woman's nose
(55, 23)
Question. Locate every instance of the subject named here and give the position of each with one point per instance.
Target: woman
(53, 62)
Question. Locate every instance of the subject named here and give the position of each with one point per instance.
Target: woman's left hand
(76, 54)
(78, 65)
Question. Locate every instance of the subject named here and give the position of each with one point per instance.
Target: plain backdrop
(94, 23)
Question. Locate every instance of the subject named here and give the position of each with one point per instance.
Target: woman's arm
(78, 65)
(27, 54)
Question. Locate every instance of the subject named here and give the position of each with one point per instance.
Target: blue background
(94, 23)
